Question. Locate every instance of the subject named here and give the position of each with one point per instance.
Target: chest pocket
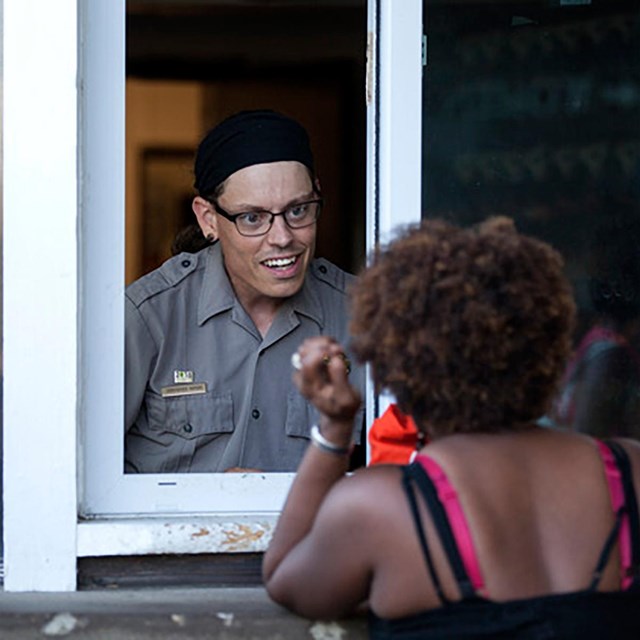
(199, 418)
(301, 415)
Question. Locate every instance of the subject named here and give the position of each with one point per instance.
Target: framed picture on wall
(167, 192)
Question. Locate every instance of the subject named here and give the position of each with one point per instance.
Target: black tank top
(587, 614)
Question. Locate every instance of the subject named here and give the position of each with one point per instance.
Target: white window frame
(63, 172)
(40, 293)
(394, 129)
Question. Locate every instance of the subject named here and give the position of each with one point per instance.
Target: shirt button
(322, 269)
(187, 428)
(255, 414)
(186, 263)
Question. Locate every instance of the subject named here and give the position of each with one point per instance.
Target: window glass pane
(532, 110)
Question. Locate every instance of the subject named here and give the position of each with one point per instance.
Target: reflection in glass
(531, 110)
(600, 392)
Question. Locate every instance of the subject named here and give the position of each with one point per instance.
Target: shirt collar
(307, 301)
(217, 295)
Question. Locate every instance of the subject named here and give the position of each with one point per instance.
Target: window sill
(175, 535)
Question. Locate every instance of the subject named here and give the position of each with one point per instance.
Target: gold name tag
(184, 390)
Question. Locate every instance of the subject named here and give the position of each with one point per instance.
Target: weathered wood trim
(200, 570)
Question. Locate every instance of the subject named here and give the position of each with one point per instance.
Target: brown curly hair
(469, 328)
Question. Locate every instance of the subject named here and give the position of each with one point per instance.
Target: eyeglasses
(258, 223)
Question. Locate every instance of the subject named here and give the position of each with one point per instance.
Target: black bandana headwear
(245, 139)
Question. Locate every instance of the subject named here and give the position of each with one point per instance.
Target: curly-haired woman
(499, 528)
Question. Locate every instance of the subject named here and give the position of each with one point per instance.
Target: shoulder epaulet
(330, 274)
(164, 277)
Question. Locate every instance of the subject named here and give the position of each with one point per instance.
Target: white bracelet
(326, 445)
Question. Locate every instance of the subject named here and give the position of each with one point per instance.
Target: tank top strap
(409, 490)
(605, 554)
(624, 502)
(431, 492)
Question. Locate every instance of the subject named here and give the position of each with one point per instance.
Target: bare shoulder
(366, 493)
(379, 473)
(368, 480)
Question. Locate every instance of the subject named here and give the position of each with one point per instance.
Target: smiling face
(271, 267)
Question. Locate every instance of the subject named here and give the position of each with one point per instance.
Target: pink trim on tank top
(616, 491)
(462, 534)
(457, 520)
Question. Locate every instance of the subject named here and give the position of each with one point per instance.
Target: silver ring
(296, 361)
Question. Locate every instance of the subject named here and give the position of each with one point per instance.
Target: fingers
(319, 355)
(336, 367)
(327, 360)
(322, 377)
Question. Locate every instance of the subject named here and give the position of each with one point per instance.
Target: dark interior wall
(305, 59)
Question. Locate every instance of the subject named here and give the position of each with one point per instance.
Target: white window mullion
(400, 117)
(394, 127)
(40, 293)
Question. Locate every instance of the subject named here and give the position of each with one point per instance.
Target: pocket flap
(191, 416)
(302, 414)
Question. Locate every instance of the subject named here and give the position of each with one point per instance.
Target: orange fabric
(392, 437)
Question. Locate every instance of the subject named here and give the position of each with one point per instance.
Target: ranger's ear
(206, 217)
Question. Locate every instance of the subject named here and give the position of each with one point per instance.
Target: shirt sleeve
(140, 355)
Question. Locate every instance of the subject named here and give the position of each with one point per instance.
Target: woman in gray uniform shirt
(209, 335)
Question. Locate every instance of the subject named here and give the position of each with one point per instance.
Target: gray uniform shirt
(204, 390)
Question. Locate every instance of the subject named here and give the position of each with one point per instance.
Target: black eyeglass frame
(232, 217)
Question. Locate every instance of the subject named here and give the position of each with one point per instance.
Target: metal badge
(182, 377)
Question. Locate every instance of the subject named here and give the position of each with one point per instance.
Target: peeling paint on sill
(147, 536)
